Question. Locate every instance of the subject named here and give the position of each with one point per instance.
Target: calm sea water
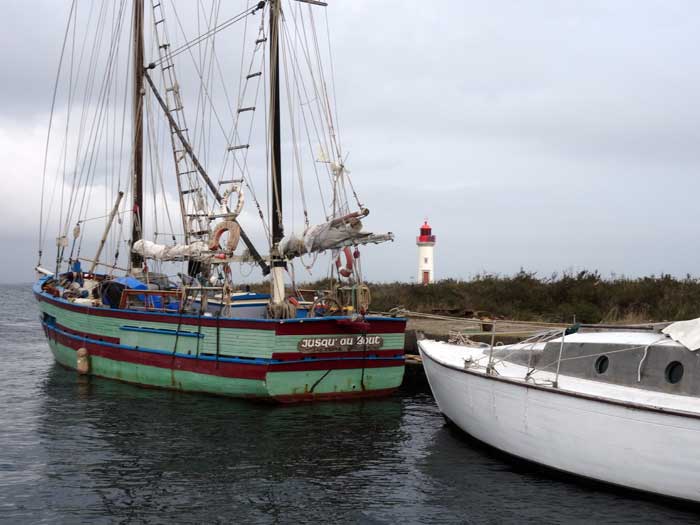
(94, 451)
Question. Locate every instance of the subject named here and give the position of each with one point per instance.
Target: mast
(137, 114)
(277, 262)
(275, 148)
(103, 240)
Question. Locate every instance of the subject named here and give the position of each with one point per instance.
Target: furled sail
(331, 235)
(173, 252)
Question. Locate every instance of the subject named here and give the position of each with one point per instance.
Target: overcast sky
(545, 135)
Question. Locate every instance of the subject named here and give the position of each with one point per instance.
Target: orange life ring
(345, 271)
(234, 235)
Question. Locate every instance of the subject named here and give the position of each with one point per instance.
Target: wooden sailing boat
(194, 332)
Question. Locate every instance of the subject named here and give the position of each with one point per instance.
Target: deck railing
(160, 300)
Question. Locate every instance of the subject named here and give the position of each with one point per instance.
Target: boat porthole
(674, 372)
(601, 364)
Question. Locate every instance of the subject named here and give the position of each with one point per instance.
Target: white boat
(620, 407)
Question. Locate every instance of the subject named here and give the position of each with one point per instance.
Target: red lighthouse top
(426, 233)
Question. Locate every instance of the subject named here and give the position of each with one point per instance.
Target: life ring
(345, 271)
(234, 235)
(237, 188)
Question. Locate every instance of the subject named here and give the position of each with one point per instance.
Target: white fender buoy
(83, 364)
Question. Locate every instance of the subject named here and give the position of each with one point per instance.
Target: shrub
(557, 298)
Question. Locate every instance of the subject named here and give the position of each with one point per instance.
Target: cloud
(539, 135)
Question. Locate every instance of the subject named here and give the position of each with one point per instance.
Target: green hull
(276, 384)
(230, 357)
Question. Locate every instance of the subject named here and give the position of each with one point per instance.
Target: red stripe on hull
(96, 337)
(252, 397)
(217, 368)
(213, 368)
(290, 399)
(308, 327)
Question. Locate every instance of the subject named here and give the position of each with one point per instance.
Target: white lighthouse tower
(425, 242)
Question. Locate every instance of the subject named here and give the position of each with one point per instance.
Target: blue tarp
(131, 283)
(154, 301)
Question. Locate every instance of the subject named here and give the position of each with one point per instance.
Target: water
(76, 450)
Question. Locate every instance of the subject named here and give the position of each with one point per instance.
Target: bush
(558, 298)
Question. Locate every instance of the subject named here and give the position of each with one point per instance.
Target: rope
(234, 135)
(199, 39)
(540, 338)
(295, 144)
(644, 357)
(88, 147)
(48, 132)
(627, 349)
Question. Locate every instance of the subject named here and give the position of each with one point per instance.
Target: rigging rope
(48, 133)
(188, 45)
(100, 139)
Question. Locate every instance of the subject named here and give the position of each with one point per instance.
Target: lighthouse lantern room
(426, 243)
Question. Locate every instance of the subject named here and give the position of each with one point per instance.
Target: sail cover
(686, 333)
(165, 252)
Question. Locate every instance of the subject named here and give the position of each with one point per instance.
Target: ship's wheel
(325, 306)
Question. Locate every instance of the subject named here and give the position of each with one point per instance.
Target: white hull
(607, 440)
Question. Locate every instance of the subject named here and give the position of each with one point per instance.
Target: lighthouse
(425, 242)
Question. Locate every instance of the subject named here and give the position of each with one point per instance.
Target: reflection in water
(151, 451)
(75, 449)
(488, 482)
